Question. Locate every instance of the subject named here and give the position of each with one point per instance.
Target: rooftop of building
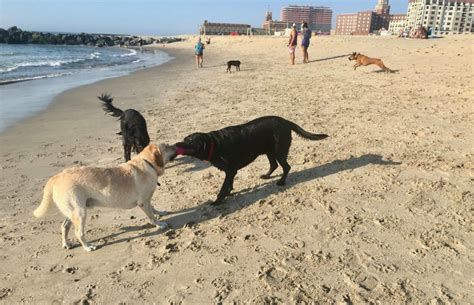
(306, 6)
(448, 2)
(225, 24)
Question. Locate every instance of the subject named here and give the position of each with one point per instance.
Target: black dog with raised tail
(132, 126)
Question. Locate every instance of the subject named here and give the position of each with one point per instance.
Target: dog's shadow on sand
(243, 198)
(245, 69)
(383, 71)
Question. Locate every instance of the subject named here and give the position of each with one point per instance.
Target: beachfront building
(382, 7)
(361, 23)
(397, 23)
(442, 16)
(366, 22)
(346, 24)
(271, 26)
(319, 18)
(212, 28)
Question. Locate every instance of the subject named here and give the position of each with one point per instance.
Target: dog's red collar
(211, 151)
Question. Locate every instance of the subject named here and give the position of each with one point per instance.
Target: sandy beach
(380, 212)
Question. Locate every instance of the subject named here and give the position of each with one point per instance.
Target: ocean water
(31, 75)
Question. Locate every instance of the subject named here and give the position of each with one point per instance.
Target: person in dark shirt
(306, 33)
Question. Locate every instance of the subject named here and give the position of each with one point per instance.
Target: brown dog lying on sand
(126, 186)
(362, 60)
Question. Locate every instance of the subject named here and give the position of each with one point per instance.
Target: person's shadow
(246, 197)
(329, 58)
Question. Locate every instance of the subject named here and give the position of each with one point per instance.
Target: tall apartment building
(442, 16)
(346, 24)
(398, 23)
(382, 7)
(319, 18)
(366, 22)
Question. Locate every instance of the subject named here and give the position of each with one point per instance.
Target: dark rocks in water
(100, 43)
(3, 34)
(14, 29)
(15, 35)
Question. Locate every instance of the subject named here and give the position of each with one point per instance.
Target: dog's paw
(161, 225)
(161, 213)
(90, 248)
(265, 176)
(217, 202)
(67, 246)
(281, 183)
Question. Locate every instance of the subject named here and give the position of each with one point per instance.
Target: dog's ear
(153, 154)
(158, 157)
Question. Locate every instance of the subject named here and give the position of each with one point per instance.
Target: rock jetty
(15, 35)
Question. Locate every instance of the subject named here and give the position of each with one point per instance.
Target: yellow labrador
(126, 186)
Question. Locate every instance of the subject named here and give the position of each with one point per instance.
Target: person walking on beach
(292, 43)
(306, 33)
(199, 52)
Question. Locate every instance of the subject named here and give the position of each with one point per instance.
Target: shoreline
(46, 88)
(56, 98)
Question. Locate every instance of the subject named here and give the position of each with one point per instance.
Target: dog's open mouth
(180, 151)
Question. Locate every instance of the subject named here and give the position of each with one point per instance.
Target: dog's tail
(108, 107)
(47, 201)
(307, 135)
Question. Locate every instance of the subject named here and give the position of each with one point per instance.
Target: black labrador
(132, 126)
(235, 63)
(234, 147)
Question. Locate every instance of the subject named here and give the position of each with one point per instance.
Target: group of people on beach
(292, 44)
(305, 41)
(417, 33)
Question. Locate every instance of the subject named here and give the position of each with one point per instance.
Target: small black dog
(132, 125)
(235, 63)
(234, 147)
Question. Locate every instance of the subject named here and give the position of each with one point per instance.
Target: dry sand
(380, 212)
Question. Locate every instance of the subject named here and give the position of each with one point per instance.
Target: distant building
(442, 16)
(271, 26)
(212, 28)
(397, 23)
(382, 7)
(346, 24)
(366, 22)
(361, 23)
(319, 18)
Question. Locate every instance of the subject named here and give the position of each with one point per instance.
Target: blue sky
(154, 17)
